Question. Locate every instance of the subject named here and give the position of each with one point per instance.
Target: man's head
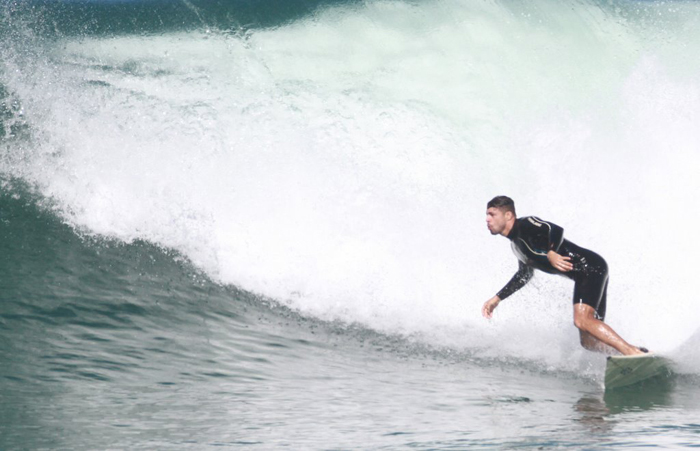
(500, 215)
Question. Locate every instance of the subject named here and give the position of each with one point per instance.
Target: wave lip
(73, 18)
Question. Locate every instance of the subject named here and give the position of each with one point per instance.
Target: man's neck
(509, 226)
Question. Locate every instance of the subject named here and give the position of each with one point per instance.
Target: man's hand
(560, 263)
(490, 306)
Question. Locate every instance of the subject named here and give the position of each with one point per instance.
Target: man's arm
(554, 233)
(519, 280)
(554, 236)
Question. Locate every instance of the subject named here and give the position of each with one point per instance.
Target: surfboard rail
(626, 370)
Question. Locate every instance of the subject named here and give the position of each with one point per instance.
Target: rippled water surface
(261, 224)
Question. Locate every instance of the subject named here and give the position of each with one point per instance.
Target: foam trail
(341, 163)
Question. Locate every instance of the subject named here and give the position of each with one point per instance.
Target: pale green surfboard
(624, 370)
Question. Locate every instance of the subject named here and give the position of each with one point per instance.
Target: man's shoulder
(532, 224)
(535, 221)
(530, 220)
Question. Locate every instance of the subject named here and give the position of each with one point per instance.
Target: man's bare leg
(591, 343)
(598, 336)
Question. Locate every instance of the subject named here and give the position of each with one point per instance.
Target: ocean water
(261, 224)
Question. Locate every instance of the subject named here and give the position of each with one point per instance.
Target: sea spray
(341, 163)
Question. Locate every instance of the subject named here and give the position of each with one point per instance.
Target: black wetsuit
(531, 238)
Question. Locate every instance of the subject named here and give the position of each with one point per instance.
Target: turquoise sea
(260, 224)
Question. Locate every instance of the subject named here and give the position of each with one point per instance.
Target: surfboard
(626, 370)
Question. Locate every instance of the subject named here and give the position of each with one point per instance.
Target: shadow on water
(597, 412)
(654, 393)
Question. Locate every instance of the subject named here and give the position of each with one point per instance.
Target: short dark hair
(504, 203)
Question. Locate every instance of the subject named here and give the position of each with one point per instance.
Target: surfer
(541, 245)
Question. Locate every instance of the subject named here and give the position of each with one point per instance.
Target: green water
(260, 224)
(110, 345)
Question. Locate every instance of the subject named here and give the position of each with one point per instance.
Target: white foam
(341, 164)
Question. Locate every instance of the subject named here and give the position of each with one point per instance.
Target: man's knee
(581, 322)
(583, 316)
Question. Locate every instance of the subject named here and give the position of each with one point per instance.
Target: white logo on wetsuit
(535, 223)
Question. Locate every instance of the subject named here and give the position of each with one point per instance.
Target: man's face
(496, 220)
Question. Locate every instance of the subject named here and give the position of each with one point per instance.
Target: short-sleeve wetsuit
(531, 238)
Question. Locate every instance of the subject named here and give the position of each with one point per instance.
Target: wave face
(336, 157)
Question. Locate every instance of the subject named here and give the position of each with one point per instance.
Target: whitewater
(264, 225)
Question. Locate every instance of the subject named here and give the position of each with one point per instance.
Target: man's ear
(509, 215)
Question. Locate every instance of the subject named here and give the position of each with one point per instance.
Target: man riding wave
(539, 244)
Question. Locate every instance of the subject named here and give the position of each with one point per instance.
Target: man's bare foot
(637, 351)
